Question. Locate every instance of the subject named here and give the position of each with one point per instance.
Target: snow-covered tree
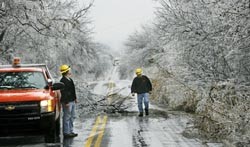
(204, 48)
(44, 31)
(212, 38)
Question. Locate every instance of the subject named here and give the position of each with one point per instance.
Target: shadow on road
(27, 141)
(68, 142)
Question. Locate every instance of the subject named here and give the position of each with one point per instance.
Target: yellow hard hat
(64, 68)
(138, 71)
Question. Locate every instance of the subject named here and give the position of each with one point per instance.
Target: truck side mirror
(50, 82)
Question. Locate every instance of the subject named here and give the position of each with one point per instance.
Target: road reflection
(138, 138)
(20, 141)
(68, 142)
(28, 141)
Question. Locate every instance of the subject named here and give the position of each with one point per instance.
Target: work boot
(73, 134)
(146, 111)
(141, 114)
(68, 135)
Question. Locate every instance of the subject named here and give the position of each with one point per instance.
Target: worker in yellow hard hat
(68, 100)
(143, 87)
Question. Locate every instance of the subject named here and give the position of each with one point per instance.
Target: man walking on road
(68, 100)
(143, 87)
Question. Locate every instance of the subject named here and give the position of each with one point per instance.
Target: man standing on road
(143, 87)
(68, 100)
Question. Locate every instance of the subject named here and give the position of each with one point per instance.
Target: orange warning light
(16, 61)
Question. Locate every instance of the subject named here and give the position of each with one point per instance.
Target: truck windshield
(22, 80)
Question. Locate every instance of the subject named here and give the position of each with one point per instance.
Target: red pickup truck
(29, 103)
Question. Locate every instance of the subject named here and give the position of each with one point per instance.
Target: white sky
(115, 20)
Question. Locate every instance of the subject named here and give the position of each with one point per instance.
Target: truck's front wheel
(53, 135)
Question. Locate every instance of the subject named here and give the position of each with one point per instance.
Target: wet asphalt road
(121, 130)
(99, 129)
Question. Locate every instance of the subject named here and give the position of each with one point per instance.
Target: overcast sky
(115, 20)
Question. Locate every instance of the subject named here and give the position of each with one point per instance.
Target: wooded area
(197, 53)
(52, 32)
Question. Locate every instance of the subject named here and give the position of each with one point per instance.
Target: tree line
(52, 32)
(200, 50)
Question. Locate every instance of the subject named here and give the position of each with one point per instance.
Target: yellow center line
(100, 133)
(92, 134)
(99, 139)
(98, 122)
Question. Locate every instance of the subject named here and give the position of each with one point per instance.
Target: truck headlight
(46, 106)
